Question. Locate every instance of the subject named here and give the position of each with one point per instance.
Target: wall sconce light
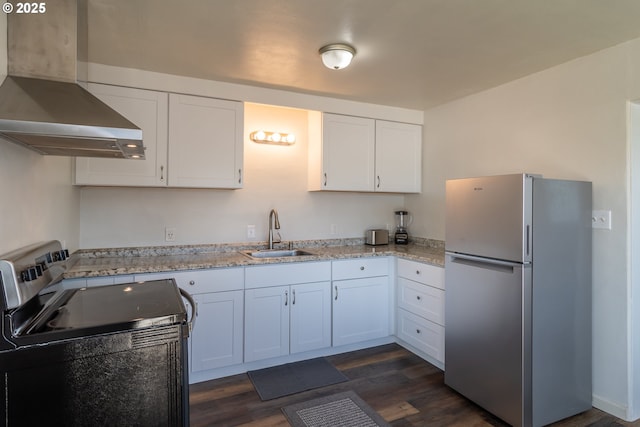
(278, 138)
(337, 56)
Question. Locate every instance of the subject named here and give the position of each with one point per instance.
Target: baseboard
(196, 377)
(610, 407)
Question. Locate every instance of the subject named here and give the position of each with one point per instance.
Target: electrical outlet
(251, 231)
(169, 234)
(334, 229)
(601, 219)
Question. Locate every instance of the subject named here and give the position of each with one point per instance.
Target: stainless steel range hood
(41, 105)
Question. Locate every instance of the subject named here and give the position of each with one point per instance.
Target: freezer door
(486, 352)
(490, 217)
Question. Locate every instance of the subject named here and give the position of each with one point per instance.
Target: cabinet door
(398, 157)
(216, 339)
(266, 323)
(310, 316)
(348, 150)
(205, 142)
(146, 109)
(360, 310)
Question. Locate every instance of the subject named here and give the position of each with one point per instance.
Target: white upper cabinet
(190, 141)
(146, 109)
(349, 153)
(398, 157)
(205, 142)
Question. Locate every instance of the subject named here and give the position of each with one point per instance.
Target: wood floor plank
(406, 391)
(397, 411)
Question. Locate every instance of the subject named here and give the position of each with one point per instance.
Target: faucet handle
(277, 238)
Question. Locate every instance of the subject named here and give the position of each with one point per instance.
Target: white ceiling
(410, 53)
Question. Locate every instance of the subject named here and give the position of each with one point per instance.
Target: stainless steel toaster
(377, 237)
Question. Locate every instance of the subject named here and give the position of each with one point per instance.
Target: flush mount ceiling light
(278, 138)
(337, 55)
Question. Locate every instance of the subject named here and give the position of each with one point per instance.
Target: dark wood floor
(404, 389)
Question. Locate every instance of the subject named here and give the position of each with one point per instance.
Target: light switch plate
(601, 219)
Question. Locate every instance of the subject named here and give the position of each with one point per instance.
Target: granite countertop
(108, 262)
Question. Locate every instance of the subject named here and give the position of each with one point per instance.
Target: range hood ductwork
(41, 105)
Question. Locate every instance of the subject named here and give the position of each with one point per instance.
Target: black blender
(401, 237)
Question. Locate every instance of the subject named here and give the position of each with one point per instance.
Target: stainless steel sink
(275, 253)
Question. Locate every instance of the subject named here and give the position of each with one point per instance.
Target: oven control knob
(30, 274)
(60, 255)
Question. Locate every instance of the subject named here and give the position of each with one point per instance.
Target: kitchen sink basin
(275, 253)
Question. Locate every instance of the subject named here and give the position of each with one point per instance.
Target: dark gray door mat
(283, 380)
(345, 409)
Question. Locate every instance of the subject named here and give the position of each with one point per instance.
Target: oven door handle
(191, 321)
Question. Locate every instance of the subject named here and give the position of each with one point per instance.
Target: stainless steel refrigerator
(518, 296)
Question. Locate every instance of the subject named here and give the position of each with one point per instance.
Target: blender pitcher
(402, 222)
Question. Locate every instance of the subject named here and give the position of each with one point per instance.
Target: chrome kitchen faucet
(273, 223)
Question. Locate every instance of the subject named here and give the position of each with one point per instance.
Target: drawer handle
(192, 282)
(418, 298)
(418, 330)
(362, 268)
(418, 272)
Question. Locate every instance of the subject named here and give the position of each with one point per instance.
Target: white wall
(566, 122)
(37, 200)
(275, 177)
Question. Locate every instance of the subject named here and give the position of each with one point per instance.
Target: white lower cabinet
(360, 300)
(216, 339)
(289, 318)
(420, 315)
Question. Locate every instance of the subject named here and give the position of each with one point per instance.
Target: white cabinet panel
(287, 274)
(146, 109)
(423, 300)
(190, 141)
(216, 339)
(206, 147)
(398, 157)
(360, 309)
(421, 273)
(348, 153)
(360, 267)
(424, 335)
(310, 316)
(421, 304)
(202, 281)
(287, 319)
(266, 323)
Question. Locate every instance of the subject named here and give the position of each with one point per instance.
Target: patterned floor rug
(345, 409)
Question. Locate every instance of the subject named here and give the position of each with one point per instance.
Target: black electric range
(106, 355)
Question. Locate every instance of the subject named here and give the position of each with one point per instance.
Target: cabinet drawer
(287, 274)
(360, 267)
(202, 281)
(424, 335)
(423, 300)
(423, 273)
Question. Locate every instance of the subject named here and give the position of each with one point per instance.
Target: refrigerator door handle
(527, 239)
(481, 260)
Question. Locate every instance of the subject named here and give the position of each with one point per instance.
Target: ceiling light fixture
(279, 138)
(337, 55)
